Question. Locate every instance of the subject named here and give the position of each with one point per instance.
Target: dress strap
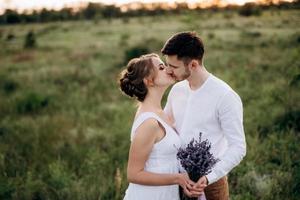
(141, 118)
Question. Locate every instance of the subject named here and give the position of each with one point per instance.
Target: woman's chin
(172, 81)
(168, 85)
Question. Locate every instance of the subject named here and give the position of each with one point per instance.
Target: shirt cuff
(211, 177)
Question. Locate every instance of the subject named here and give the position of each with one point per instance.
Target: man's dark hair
(186, 45)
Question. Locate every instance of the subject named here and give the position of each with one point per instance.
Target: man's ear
(194, 64)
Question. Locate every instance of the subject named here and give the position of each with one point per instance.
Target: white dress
(162, 159)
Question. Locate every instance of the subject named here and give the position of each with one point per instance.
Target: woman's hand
(188, 185)
(185, 182)
(198, 188)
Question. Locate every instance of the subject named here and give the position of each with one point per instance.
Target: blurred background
(64, 124)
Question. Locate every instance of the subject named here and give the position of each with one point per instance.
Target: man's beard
(184, 76)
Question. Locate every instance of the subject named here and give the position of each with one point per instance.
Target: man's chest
(195, 110)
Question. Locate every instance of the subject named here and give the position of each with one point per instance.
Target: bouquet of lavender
(196, 159)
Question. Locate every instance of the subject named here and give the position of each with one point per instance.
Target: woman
(152, 166)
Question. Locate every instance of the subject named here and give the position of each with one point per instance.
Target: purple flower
(196, 159)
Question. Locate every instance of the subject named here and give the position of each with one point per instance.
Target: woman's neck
(152, 101)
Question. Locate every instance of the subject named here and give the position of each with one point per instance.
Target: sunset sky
(22, 5)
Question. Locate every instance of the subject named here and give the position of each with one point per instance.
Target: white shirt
(215, 110)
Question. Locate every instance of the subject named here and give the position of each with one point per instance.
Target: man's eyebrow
(173, 65)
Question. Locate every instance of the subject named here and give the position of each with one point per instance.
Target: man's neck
(198, 77)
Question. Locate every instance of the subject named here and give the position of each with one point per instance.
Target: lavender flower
(196, 159)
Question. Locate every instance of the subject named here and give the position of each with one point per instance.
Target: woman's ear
(148, 82)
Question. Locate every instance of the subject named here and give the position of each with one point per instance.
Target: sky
(22, 5)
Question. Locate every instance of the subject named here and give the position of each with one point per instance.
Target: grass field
(64, 124)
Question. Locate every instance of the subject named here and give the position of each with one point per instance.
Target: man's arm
(230, 115)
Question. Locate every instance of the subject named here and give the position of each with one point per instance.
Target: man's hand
(198, 188)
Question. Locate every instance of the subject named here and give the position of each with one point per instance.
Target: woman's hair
(132, 78)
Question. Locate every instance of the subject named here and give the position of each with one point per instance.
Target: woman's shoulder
(147, 124)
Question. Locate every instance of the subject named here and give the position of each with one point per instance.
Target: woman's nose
(168, 70)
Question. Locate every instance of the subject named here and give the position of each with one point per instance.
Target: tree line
(101, 11)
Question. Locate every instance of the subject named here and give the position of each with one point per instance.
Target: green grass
(64, 124)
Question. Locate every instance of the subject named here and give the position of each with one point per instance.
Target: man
(201, 102)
